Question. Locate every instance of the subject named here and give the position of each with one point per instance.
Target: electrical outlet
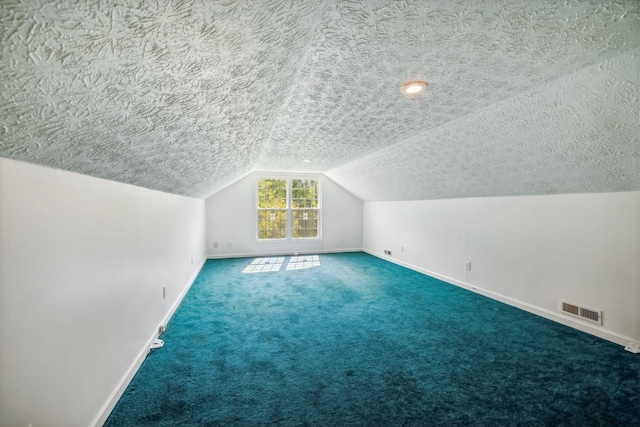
(633, 347)
(215, 245)
(468, 266)
(387, 252)
(164, 292)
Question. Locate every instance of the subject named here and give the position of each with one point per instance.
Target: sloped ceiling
(187, 97)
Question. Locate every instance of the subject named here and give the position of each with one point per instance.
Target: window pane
(304, 193)
(272, 224)
(304, 223)
(272, 193)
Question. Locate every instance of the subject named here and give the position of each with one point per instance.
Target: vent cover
(584, 313)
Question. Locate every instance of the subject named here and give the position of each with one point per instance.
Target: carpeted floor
(357, 341)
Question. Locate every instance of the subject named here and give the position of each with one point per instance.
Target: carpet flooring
(358, 341)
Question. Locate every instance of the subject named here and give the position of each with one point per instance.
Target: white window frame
(289, 235)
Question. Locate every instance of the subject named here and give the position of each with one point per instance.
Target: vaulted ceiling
(524, 97)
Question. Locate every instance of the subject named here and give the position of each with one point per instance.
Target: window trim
(289, 234)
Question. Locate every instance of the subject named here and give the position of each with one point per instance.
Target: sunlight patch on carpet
(264, 265)
(300, 262)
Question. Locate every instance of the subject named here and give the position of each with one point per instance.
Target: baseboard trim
(115, 396)
(263, 254)
(547, 314)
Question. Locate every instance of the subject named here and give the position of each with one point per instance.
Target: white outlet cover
(158, 343)
(633, 347)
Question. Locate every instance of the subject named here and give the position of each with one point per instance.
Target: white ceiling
(525, 97)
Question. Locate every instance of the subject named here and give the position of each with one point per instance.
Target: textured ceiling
(574, 135)
(186, 97)
(174, 96)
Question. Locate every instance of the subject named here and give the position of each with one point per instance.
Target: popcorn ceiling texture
(575, 135)
(187, 97)
(174, 96)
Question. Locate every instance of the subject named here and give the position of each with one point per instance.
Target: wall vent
(584, 313)
(387, 252)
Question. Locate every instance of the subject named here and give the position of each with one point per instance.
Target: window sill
(302, 239)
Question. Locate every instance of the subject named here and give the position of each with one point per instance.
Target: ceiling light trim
(414, 88)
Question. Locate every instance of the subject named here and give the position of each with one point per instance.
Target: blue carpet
(358, 341)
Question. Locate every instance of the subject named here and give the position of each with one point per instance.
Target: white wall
(231, 217)
(638, 268)
(82, 265)
(530, 251)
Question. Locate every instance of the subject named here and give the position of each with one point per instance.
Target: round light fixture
(412, 89)
(307, 161)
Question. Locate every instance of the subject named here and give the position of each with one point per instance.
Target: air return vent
(584, 313)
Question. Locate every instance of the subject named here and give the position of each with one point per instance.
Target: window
(304, 208)
(288, 208)
(272, 209)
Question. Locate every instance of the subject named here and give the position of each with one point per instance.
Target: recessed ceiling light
(307, 161)
(414, 88)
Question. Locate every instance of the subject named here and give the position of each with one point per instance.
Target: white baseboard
(547, 314)
(263, 254)
(115, 396)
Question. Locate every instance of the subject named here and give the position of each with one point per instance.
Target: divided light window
(272, 209)
(288, 208)
(304, 208)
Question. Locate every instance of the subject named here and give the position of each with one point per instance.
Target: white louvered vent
(584, 313)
